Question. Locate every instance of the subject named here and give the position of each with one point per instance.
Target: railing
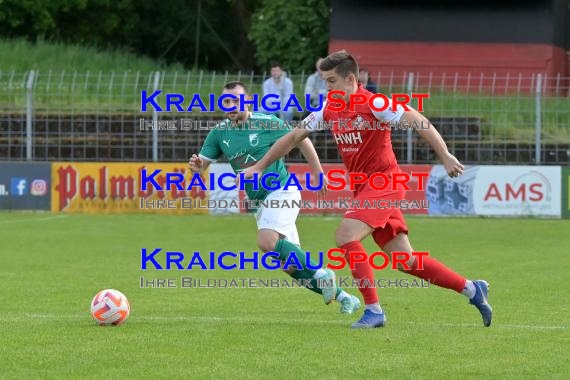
(95, 116)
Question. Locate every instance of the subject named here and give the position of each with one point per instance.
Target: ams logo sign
(533, 192)
(511, 190)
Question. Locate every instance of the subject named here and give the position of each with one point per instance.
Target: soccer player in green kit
(244, 142)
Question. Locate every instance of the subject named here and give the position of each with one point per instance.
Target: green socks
(284, 248)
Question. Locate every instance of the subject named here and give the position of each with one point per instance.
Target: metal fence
(95, 116)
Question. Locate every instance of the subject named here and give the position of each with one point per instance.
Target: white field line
(269, 320)
(33, 220)
(508, 326)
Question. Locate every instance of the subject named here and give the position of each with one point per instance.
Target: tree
(292, 32)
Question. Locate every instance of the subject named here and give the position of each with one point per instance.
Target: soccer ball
(110, 307)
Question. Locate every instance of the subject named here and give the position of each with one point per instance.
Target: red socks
(438, 274)
(363, 271)
(434, 271)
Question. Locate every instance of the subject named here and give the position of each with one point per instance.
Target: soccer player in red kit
(370, 151)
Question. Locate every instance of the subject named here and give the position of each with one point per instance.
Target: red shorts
(387, 222)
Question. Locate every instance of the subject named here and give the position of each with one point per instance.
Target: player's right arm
(209, 153)
(198, 164)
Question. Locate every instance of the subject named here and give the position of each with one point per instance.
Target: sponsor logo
(517, 191)
(334, 102)
(39, 187)
(18, 186)
(348, 138)
(528, 187)
(70, 184)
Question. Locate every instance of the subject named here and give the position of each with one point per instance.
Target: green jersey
(245, 145)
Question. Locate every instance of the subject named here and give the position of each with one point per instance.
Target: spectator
(316, 85)
(363, 77)
(282, 86)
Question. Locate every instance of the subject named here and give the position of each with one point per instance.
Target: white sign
(517, 190)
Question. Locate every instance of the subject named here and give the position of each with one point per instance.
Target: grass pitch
(51, 267)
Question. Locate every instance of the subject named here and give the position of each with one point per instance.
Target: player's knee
(401, 259)
(266, 243)
(411, 261)
(343, 236)
(290, 269)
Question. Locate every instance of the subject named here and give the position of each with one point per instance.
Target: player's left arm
(452, 165)
(412, 117)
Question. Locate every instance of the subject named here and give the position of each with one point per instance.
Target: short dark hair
(276, 64)
(233, 84)
(342, 61)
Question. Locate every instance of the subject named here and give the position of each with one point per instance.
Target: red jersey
(362, 135)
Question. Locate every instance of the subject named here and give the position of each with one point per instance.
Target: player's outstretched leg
(348, 237)
(479, 300)
(348, 303)
(325, 279)
(269, 240)
(439, 274)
